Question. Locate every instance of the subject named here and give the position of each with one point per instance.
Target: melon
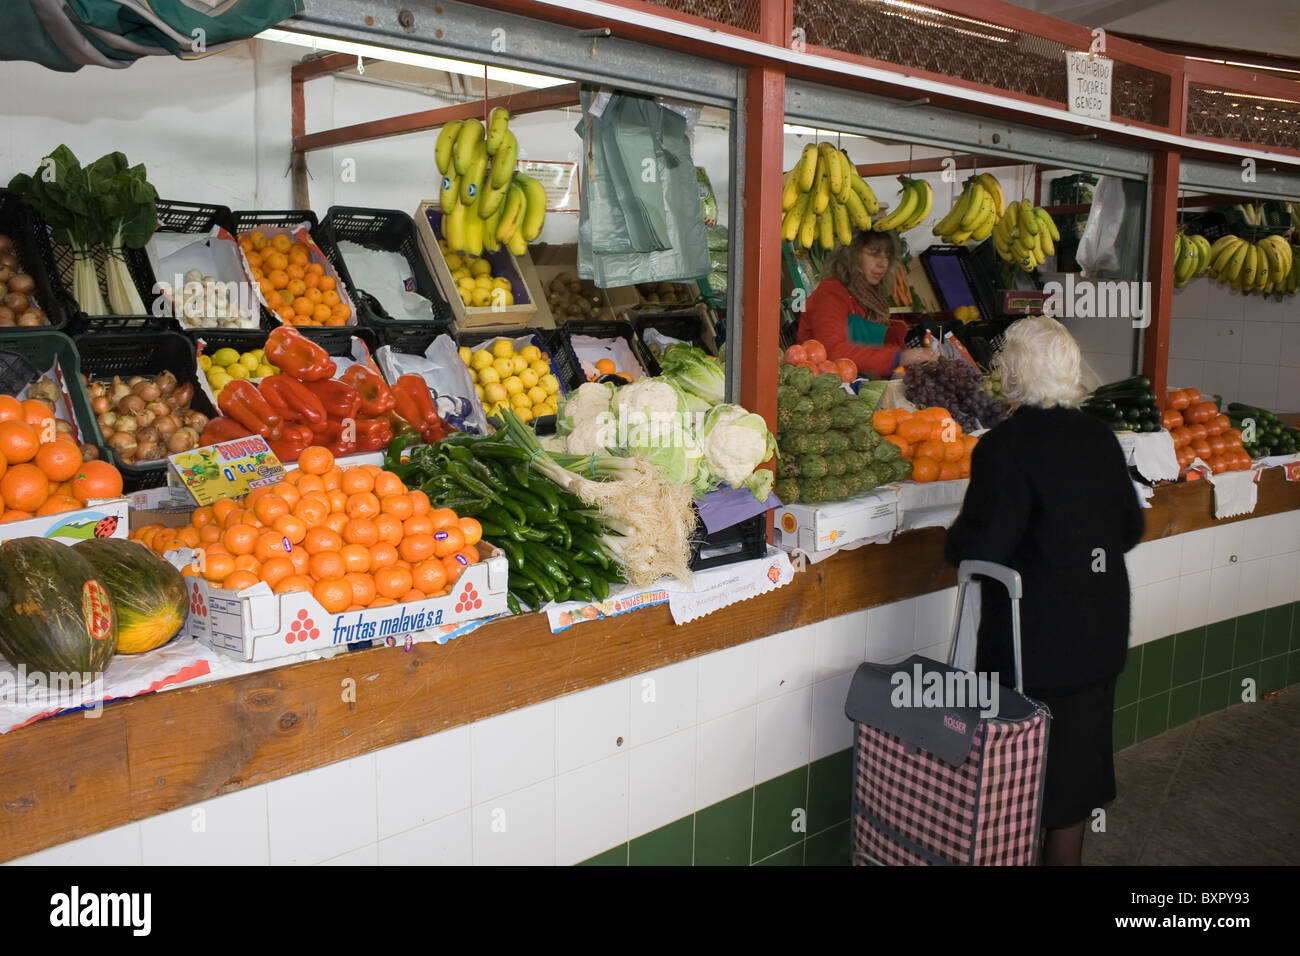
(56, 615)
(149, 595)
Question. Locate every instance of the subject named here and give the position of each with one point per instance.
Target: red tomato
(796, 355)
(828, 366)
(848, 369)
(816, 352)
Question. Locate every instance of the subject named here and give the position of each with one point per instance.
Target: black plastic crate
(37, 348)
(336, 341)
(105, 354)
(684, 326)
(388, 230)
(243, 220)
(606, 330)
(741, 542)
(36, 258)
(175, 215)
(553, 341)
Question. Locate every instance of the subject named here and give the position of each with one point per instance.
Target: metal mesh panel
(1224, 114)
(741, 14)
(926, 38)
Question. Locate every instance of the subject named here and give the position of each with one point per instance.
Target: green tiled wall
(1184, 676)
(1164, 684)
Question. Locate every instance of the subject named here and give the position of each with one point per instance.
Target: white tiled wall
(562, 781)
(1245, 348)
(1108, 345)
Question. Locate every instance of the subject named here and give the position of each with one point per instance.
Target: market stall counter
(158, 752)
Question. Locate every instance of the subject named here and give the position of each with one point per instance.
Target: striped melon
(149, 595)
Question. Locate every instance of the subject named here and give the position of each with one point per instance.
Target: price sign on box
(227, 470)
(1088, 83)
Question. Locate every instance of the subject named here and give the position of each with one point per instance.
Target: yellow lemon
(260, 353)
(503, 348)
(205, 363)
(461, 274)
(237, 371)
(531, 352)
(262, 371)
(482, 282)
(507, 297)
(455, 262)
(541, 367)
(551, 405)
(513, 385)
(550, 383)
(519, 362)
(465, 297)
(225, 357)
(465, 353)
(505, 368)
(520, 400)
(496, 392)
(249, 361)
(488, 376)
(466, 283)
(480, 360)
(218, 379)
(478, 390)
(537, 395)
(482, 297)
(480, 267)
(523, 414)
(528, 377)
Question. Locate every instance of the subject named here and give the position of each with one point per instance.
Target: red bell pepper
(293, 401)
(298, 356)
(222, 429)
(339, 399)
(415, 404)
(293, 441)
(370, 385)
(242, 401)
(333, 437)
(373, 434)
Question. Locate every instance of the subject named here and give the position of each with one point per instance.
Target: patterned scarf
(872, 298)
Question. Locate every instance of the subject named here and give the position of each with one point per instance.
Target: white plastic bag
(447, 377)
(1098, 252)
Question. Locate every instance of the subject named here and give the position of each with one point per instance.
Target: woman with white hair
(1050, 496)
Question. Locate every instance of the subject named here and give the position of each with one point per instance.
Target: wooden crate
(525, 312)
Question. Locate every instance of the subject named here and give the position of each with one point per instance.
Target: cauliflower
(734, 443)
(585, 421)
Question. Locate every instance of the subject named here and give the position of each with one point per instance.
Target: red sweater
(826, 319)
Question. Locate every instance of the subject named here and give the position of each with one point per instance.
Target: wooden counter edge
(67, 777)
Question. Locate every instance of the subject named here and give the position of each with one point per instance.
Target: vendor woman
(849, 311)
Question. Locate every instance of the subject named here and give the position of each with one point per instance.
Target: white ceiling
(1261, 26)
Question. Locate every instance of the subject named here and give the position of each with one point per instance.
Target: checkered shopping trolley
(938, 783)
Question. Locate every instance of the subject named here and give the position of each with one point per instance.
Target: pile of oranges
(354, 538)
(45, 477)
(930, 439)
(296, 289)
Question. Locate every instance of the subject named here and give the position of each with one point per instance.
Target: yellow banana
(790, 224)
(864, 191)
(948, 223)
(453, 226)
(834, 171)
(790, 193)
(535, 197)
(1048, 223)
(857, 211)
(496, 131)
(449, 192)
(472, 180)
(984, 228)
(975, 208)
(517, 244)
(446, 140)
(1028, 221)
(503, 163)
(473, 229)
(924, 207)
(1226, 255)
(846, 176)
(821, 190)
(826, 230)
(907, 203)
(467, 143)
(512, 213)
(807, 167)
(840, 216)
(994, 189)
(808, 225)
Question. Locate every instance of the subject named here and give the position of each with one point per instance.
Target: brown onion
(181, 396)
(63, 428)
(166, 383)
(192, 419)
(89, 453)
(24, 284)
(100, 404)
(183, 440)
(16, 301)
(147, 390)
(32, 317)
(131, 405)
(125, 423)
(159, 409)
(166, 425)
(107, 419)
(124, 444)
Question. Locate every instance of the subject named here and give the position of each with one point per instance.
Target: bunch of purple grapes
(954, 385)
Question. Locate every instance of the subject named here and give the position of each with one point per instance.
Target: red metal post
(1164, 222)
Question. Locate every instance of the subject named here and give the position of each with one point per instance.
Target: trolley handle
(1009, 578)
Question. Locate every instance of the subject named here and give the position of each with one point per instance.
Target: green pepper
(519, 472)
(512, 603)
(512, 506)
(532, 534)
(470, 483)
(545, 489)
(541, 582)
(487, 475)
(393, 457)
(501, 449)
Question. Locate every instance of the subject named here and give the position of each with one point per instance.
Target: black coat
(1050, 496)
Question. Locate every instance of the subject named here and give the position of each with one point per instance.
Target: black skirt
(1080, 754)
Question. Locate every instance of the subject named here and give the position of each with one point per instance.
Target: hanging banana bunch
(824, 199)
(915, 200)
(1191, 257)
(486, 205)
(1266, 266)
(975, 212)
(1025, 235)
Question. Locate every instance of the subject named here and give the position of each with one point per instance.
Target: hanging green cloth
(66, 35)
